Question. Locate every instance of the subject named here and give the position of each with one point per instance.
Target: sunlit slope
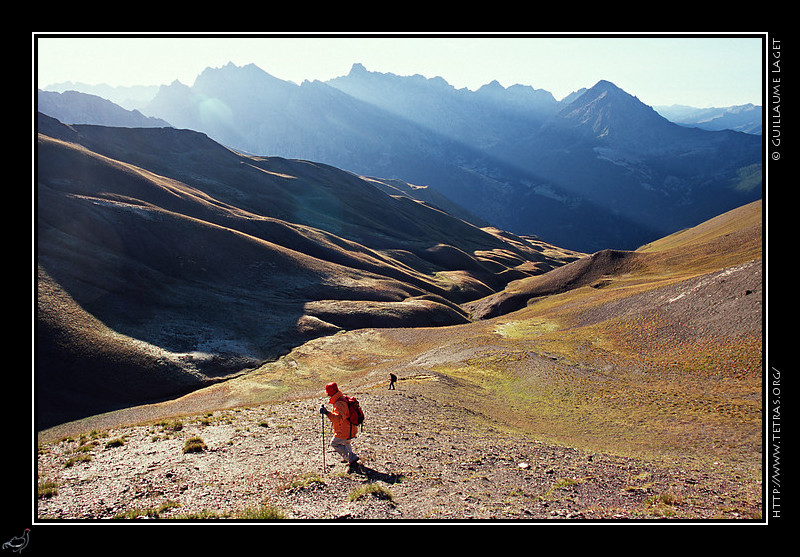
(660, 356)
(729, 239)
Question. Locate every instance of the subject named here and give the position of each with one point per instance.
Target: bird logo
(18, 543)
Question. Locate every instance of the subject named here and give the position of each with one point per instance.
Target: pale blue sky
(700, 71)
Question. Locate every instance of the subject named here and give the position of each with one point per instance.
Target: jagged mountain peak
(360, 74)
(609, 96)
(358, 68)
(493, 85)
(606, 111)
(606, 85)
(248, 77)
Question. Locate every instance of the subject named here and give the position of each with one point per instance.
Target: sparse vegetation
(663, 504)
(77, 459)
(306, 481)
(175, 425)
(194, 445)
(47, 488)
(471, 469)
(372, 490)
(262, 512)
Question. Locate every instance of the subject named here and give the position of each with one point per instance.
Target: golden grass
(630, 384)
(582, 389)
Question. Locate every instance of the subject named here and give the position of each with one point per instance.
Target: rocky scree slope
(428, 461)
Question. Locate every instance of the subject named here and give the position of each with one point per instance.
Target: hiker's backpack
(356, 413)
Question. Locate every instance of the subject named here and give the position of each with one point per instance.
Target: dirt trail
(433, 461)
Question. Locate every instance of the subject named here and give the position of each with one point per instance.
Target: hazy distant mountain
(477, 118)
(72, 107)
(600, 157)
(745, 118)
(249, 110)
(610, 149)
(130, 97)
(603, 170)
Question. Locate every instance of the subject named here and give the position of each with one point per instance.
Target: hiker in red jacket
(343, 430)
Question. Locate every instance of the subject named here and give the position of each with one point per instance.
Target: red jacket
(340, 417)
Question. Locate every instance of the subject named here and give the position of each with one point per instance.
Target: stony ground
(421, 460)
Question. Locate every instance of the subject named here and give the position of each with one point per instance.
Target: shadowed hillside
(166, 261)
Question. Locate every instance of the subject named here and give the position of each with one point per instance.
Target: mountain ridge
(71, 106)
(745, 118)
(628, 186)
(135, 97)
(521, 169)
(605, 110)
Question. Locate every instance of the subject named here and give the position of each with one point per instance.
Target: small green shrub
(76, 459)
(194, 445)
(47, 489)
(262, 512)
(373, 489)
(176, 425)
(566, 482)
(306, 481)
(663, 503)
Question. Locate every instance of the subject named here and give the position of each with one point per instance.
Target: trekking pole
(323, 442)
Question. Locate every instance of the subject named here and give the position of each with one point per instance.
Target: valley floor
(430, 461)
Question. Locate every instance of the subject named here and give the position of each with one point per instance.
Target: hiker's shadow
(373, 475)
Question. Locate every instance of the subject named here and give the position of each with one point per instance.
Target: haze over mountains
(598, 169)
(75, 107)
(744, 118)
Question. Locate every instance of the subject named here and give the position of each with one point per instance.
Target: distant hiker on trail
(343, 428)
(392, 380)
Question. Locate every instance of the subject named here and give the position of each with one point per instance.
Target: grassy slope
(605, 368)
